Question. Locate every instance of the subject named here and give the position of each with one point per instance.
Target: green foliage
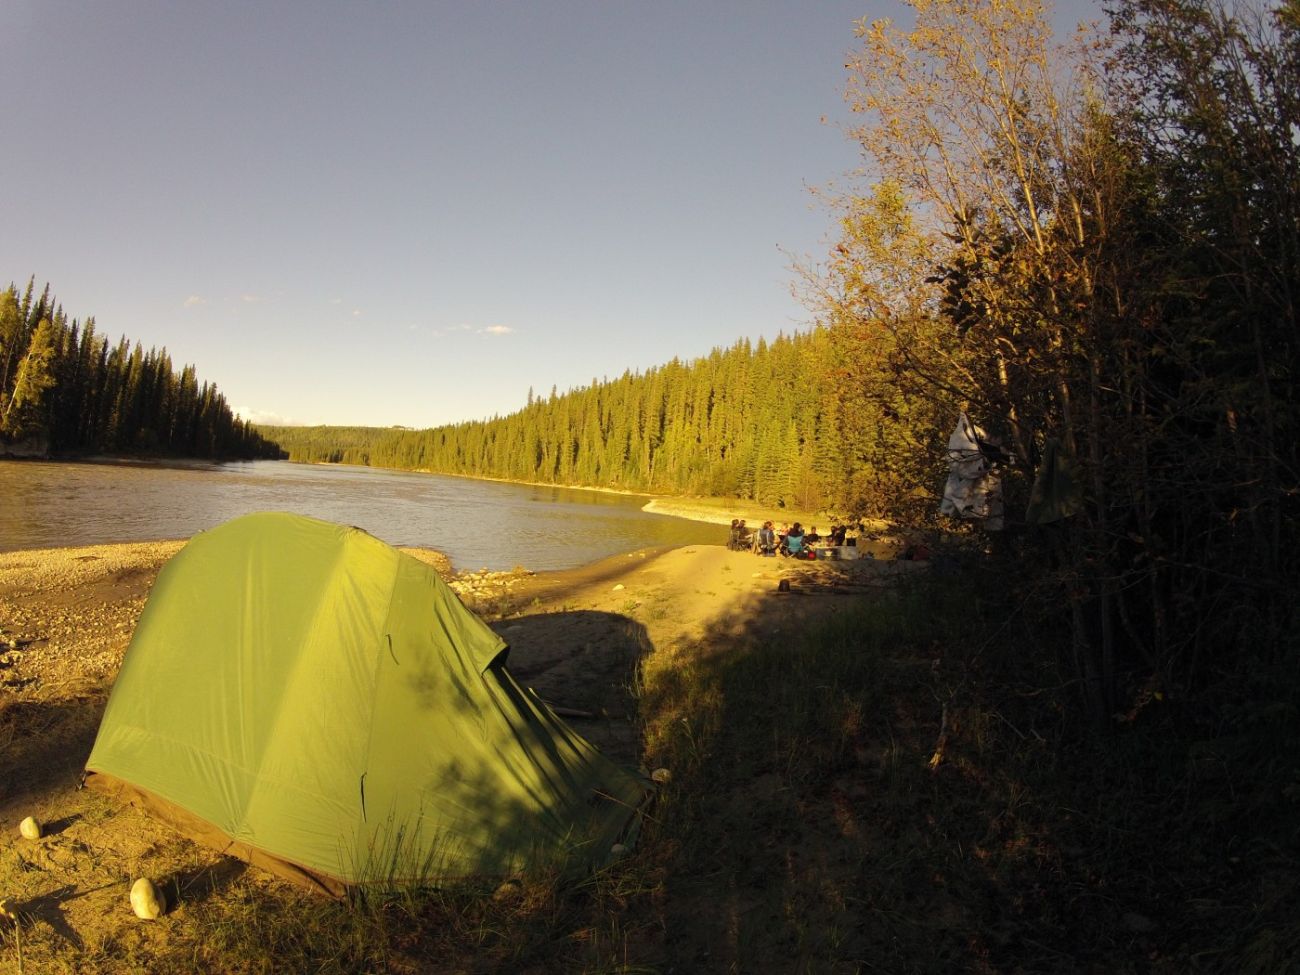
(1104, 260)
(63, 384)
(749, 422)
(35, 374)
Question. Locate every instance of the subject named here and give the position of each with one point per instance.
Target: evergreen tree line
(750, 421)
(64, 389)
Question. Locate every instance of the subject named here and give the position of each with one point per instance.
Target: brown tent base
(205, 834)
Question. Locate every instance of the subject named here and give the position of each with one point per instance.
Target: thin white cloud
(356, 312)
(250, 299)
(463, 327)
(269, 417)
(193, 300)
(336, 301)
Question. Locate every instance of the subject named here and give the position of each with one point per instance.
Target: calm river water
(477, 524)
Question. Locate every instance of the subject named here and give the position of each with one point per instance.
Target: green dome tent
(308, 698)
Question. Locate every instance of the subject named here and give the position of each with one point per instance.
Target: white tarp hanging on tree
(973, 489)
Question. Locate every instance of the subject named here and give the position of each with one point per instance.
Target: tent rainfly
(308, 698)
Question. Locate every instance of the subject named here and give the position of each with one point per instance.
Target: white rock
(147, 901)
(661, 775)
(617, 850)
(30, 828)
(618, 587)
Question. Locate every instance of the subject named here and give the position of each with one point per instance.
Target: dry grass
(861, 780)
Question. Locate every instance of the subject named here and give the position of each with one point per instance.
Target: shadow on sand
(45, 742)
(583, 663)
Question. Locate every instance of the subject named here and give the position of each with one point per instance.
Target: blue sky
(411, 213)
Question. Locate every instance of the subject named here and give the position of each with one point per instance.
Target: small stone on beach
(147, 900)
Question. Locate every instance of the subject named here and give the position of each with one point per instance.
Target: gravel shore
(67, 614)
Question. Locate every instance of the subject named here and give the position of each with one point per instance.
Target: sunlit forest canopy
(757, 420)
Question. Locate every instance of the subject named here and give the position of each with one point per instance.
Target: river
(477, 524)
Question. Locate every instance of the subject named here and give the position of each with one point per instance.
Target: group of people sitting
(790, 540)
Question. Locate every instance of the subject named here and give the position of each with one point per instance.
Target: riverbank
(584, 639)
(721, 511)
(710, 510)
(714, 510)
(850, 783)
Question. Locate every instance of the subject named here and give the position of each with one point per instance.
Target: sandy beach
(576, 637)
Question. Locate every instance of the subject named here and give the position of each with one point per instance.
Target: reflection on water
(478, 524)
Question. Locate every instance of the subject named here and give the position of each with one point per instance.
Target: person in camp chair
(794, 541)
(733, 540)
(745, 537)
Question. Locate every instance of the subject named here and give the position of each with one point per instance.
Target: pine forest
(754, 421)
(66, 390)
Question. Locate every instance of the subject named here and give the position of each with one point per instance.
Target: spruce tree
(34, 375)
